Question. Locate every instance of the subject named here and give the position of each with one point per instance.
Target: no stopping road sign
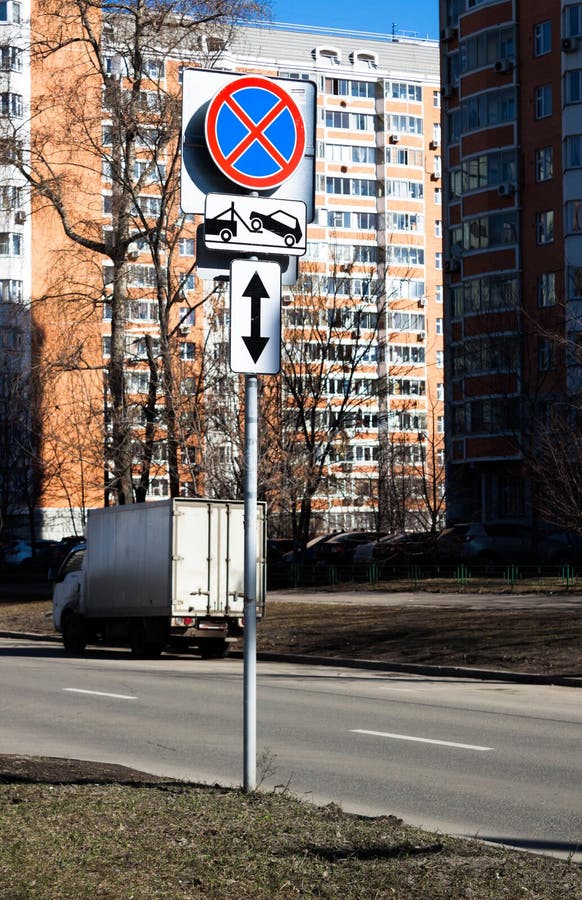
(255, 132)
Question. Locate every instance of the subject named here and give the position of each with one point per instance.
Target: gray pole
(250, 583)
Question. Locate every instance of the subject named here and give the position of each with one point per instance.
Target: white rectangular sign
(255, 317)
(200, 176)
(255, 224)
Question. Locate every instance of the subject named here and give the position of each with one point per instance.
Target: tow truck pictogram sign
(255, 224)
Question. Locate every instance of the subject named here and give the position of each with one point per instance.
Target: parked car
(340, 548)
(507, 543)
(308, 554)
(31, 558)
(406, 548)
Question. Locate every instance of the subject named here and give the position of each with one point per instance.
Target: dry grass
(152, 839)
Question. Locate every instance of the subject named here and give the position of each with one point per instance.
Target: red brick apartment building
(363, 325)
(512, 88)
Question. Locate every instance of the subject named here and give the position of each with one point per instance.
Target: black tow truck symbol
(226, 225)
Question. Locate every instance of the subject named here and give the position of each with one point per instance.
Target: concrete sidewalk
(466, 600)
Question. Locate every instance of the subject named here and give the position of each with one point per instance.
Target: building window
(401, 90)
(543, 101)
(438, 228)
(11, 105)
(544, 163)
(573, 20)
(10, 11)
(438, 196)
(187, 316)
(11, 59)
(438, 260)
(10, 244)
(436, 99)
(542, 38)
(573, 86)
(187, 350)
(575, 283)
(440, 424)
(573, 151)
(11, 291)
(438, 293)
(153, 68)
(545, 227)
(486, 110)
(574, 216)
(547, 289)
(440, 358)
(187, 247)
(440, 391)
(439, 325)
(546, 355)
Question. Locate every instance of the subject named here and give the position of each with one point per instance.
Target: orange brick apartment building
(373, 268)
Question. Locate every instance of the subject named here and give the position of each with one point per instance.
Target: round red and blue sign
(255, 132)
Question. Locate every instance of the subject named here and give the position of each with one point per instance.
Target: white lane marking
(408, 737)
(100, 694)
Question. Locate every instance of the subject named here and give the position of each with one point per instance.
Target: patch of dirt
(52, 770)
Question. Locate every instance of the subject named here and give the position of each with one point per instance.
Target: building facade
(510, 125)
(358, 413)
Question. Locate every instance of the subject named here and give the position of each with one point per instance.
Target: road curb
(375, 665)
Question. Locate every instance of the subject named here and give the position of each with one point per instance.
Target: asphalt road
(493, 760)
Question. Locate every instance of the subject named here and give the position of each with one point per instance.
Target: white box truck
(157, 574)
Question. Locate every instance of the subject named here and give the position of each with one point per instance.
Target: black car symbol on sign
(280, 223)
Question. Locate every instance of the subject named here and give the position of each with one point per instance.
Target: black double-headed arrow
(256, 290)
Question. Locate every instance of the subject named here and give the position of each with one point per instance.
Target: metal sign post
(250, 583)
(242, 134)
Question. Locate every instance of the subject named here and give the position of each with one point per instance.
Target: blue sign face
(255, 133)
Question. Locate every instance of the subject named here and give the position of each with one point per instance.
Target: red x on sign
(255, 132)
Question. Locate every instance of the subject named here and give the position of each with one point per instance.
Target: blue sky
(420, 16)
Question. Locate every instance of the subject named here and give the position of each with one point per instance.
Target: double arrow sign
(255, 317)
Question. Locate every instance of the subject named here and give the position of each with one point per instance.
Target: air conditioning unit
(570, 44)
(448, 91)
(20, 217)
(394, 138)
(421, 302)
(184, 329)
(502, 66)
(448, 33)
(453, 265)
(435, 176)
(435, 144)
(420, 336)
(506, 189)
(132, 251)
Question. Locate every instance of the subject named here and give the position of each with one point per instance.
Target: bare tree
(105, 112)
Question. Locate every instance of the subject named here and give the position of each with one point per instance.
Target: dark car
(307, 555)
(280, 223)
(506, 543)
(340, 548)
(30, 559)
(408, 548)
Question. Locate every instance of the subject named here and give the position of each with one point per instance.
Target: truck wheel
(226, 235)
(214, 648)
(142, 646)
(74, 633)
(289, 240)
(256, 224)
